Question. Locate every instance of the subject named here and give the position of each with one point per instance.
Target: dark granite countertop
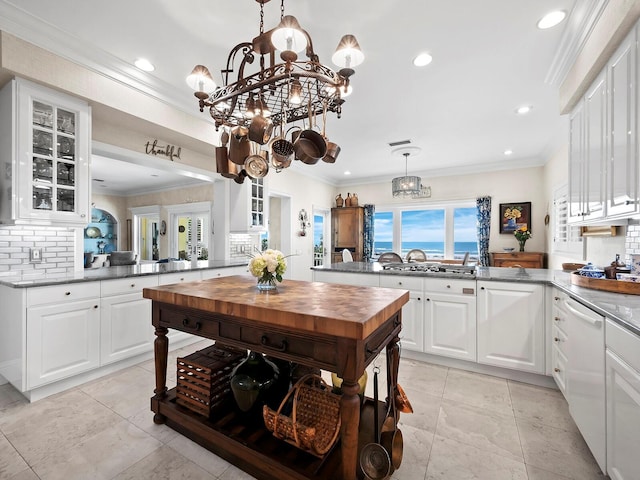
(30, 279)
(623, 309)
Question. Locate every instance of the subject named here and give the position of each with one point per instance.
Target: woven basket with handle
(314, 423)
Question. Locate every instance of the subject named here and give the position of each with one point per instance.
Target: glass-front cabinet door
(53, 132)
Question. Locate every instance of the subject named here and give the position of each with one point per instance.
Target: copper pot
(310, 147)
(333, 150)
(223, 166)
(260, 129)
(239, 147)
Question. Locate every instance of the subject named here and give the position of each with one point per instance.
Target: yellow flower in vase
(522, 235)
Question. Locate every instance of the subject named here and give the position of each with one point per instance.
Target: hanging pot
(333, 150)
(256, 166)
(374, 459)
(281, 151)
(310, 147)
(391, 436)
(239, 148)
(260, 129)
(223, 166)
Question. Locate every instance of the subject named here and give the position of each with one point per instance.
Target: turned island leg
(161, 352)
(350, 417)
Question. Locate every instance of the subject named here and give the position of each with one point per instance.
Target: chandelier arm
(247, 48)
(309, 51)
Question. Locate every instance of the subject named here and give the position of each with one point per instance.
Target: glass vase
(522, 242)
(267, 283)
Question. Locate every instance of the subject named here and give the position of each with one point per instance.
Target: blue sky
(427, 225)
(317, 229)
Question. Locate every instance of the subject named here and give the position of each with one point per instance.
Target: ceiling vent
(400, 142)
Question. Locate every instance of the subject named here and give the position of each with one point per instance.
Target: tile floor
(465, 426)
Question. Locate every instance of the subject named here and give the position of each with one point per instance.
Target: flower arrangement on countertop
(513, 213)
(522, 235)
(268, 265)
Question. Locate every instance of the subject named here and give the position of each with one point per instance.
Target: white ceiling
(489, 59)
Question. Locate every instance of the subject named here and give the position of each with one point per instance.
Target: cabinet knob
(557, 370)
(67, 293)
(428, 299)
(556, 298)
(133, 285)
(419, 299)
(82, 215)
(95, 306)
(448, 286)
(481, 288)
(399, 283)
(557, 319)
(556, 339)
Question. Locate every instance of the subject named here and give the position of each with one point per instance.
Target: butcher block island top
(348, 311)
(338, 328)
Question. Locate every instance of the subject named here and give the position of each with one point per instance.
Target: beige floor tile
(164, 464)
(144, 419)
(426, 409)
(557, 450)
(199, 455)
(11, 463)
(416, 450)
(27, 474)
(9, 396)
(55, 424)
(452, 460)
(480, 428)
(483, 391)
(102, 456)
(541, 405)
(125, 392)
(536, 473)
(423, 377)
(234, 473)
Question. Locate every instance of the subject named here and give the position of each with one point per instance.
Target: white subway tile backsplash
(57, 245)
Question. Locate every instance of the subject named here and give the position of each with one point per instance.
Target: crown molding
(581, 21)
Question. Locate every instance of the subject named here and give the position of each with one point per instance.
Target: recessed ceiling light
(508, 152)
(422, 60)
(155, 175)
(523, 110)
(144, 64)
(347, 172)
(551, 19)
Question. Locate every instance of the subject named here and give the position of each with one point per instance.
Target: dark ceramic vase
(253, 382)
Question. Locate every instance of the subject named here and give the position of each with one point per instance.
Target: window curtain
(369, 211)
(483, 215)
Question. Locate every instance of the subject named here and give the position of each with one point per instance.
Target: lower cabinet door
(62, 340)
(623, 419)
(511, 322)
(450, 326)
(411, 336)
(126, 328)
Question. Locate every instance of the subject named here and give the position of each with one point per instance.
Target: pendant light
(409, 185)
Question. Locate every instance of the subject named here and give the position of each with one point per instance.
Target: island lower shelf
(232, 437)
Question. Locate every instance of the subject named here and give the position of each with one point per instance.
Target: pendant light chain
(261, 18)
(281, 10)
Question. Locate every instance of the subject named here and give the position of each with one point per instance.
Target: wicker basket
(202, 383)
(314, 424)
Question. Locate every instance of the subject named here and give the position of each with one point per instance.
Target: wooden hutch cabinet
(348, 232)
(518, 259)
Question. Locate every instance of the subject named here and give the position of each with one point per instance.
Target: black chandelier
(284, 90)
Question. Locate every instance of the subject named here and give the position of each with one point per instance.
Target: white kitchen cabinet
(347, 278)
(450, 318)
(224, 272)
(622, 172)
(249, 206)
(623, 402)
(559, 341)
(412, 334)
(62, 340)
(576, 164)
(125, 319)
(511, 325)
(44, 152)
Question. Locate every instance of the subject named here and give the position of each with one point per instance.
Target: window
(566, 238)
(442, 231)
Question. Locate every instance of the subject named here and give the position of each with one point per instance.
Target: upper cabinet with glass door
(249, 206)
(45, 151)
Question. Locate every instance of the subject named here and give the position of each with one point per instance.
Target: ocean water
(432, 249)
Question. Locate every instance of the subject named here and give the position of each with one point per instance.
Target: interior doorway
(146, 231)
(190, 231)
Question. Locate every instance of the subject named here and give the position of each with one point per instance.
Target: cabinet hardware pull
(95, 306)
(82, 215)
(557, 319)
(556, 339)
(557, 370)
(281, 348)
(448, 286)
(418, 298)
(67, 293)
(428, 299)
(399, 283)
(481, 288)
(196, 327)
(556, 298)
(133, 285)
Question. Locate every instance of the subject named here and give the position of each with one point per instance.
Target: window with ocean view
(442, 231)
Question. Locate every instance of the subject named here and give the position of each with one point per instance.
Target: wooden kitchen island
(338, 328)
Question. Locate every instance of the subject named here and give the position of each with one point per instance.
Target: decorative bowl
(591, 271)
(93, 232)
(628, 277)
(508, 249)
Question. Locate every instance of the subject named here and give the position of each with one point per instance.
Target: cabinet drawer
(559, 370)
(405, 282)
(128, 285)
(624, 343)
(62, 293)
(559, 339)
(224, 272)
(518, 263)
(559, 318)
(179, 277)
(443, 285)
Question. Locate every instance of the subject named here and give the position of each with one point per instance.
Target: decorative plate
(92, 232)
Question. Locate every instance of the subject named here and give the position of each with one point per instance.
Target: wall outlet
(35, 255)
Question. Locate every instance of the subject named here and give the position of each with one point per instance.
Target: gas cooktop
(430, 267)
